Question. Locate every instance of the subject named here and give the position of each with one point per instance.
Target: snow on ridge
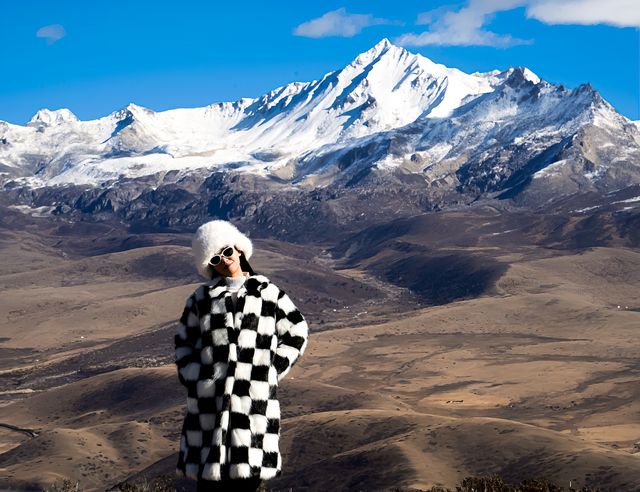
(586, 209)
(529, 75)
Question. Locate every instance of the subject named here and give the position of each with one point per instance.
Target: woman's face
(229, 266)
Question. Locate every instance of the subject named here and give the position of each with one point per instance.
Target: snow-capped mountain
(384, 88)
(523, 132)
(390, 116)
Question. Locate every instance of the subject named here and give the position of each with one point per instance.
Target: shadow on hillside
(442, 279)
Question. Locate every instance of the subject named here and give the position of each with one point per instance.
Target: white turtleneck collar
(234, 283)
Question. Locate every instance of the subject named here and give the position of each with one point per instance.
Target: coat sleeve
(187, 345)
(292, 331)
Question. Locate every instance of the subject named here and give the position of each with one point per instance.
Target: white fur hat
(211, 238)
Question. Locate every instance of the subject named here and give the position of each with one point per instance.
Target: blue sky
(96, 57)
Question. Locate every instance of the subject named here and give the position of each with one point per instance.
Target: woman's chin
(230, 272)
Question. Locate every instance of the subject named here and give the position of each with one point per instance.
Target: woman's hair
(244, 264)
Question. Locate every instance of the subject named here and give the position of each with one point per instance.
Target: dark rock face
(268, 208)
(265, 206)
(513, 175)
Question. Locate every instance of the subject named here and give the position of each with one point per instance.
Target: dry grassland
(537, 378)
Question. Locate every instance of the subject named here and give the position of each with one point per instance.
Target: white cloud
(51, 33)
(619, 13)
(466, 26)
(463, 27)
(429, 17)
(448, 38)
(338, 23)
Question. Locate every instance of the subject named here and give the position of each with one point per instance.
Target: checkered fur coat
(231, 364)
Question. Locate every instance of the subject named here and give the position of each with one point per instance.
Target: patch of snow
(600, 170)
(529, 75)
(551, 170)
(629, 200)
(33, 211)
(586, 209)
(606, 117)
(387, 162)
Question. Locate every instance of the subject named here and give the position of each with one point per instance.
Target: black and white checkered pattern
(231, 366)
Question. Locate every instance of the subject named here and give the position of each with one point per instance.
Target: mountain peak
(135, 109)
(517, 76)
(48, 117)
(382, 47)
(383, 44)
(130, 112)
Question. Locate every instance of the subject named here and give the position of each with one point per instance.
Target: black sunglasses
(226, 252)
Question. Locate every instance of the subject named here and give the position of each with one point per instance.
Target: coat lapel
(247, 309)
(250, 305)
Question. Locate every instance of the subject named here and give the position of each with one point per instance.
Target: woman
(238, 336)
